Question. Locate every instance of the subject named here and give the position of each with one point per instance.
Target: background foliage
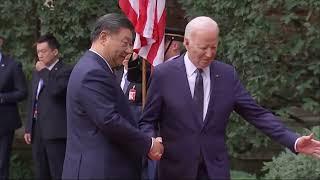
(22, 22)
(274, 45)
(299, 166)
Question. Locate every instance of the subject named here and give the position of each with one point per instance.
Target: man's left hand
(309, 146)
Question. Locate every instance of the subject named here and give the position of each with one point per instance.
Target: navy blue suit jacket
(13, 88)
(103, 139)
(186, 137)
(52, 102)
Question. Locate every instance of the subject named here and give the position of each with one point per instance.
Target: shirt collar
(191, 68)
(53, 64)
(169, 59)
(0, 57)
(102, 58)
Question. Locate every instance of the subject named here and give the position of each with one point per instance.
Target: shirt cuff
(151, 143)
(295, 144)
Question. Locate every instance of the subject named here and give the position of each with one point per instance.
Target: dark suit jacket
(185, 136)
(103, 138)
(52, 102)
(13, 89)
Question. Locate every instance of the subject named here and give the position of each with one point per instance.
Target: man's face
(119, 46)
(46, 54)
(202, 46)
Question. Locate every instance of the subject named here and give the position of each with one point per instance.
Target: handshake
(157, 149)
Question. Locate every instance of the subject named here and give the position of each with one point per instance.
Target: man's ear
(175, 45)
(186, 42)
(104, 36)
(55, 52)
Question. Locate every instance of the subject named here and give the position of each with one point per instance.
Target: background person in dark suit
(191, 99)
(131, 90)
(46, 125)
(13, 89)
(104, 141)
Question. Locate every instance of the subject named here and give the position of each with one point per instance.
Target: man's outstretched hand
(309, 146)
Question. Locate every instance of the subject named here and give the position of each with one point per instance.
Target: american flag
(149, 20)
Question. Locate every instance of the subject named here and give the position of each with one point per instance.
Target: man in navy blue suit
(13, 89)
(46, 127)
(103, 139)
(191, 98)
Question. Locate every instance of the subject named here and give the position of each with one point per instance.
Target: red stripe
(128, 11)
(140, 20)
(160, 29)
(143, 15)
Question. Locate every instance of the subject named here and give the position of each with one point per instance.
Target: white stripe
(160, 8)
(148, 29)
(137, 42)
(135, 6)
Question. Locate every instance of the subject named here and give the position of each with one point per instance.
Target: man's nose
(209, 52)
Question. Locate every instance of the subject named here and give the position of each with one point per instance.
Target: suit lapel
(182, 75)
(214, 77)
(35, 82)
(3, 68)
(119, 74)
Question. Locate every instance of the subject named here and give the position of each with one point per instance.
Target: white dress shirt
(169, 59)
(191, 75)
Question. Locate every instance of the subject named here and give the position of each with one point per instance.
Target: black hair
(50, 39)
(112, 23)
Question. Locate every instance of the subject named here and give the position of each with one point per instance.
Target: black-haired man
(46, 123)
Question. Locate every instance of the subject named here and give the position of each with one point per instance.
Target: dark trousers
(5, 151)
(48, 156)
(202, 171)
(149, 169)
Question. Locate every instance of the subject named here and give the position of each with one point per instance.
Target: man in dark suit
(13, 89)
(46, 125)
(132, 90)
(104, 141)
(191, 99)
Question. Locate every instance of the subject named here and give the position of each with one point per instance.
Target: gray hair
(112, 22)
(198, 23)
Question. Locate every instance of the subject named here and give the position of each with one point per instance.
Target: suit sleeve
(56, 83)
(152, 111)
(261, 118)
(98, 96)
(20, 87)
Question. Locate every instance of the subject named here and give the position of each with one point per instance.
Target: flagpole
(144, 82)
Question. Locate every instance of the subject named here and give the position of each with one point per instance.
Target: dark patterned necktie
(199, 93)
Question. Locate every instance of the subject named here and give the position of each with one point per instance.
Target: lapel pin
(217, 75)
(2, 65)
(55, 69)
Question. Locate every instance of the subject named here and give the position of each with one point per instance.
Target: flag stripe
(149, 19)
(130, 10)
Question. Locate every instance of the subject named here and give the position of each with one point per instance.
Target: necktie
(35, 109)
(199, 93)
